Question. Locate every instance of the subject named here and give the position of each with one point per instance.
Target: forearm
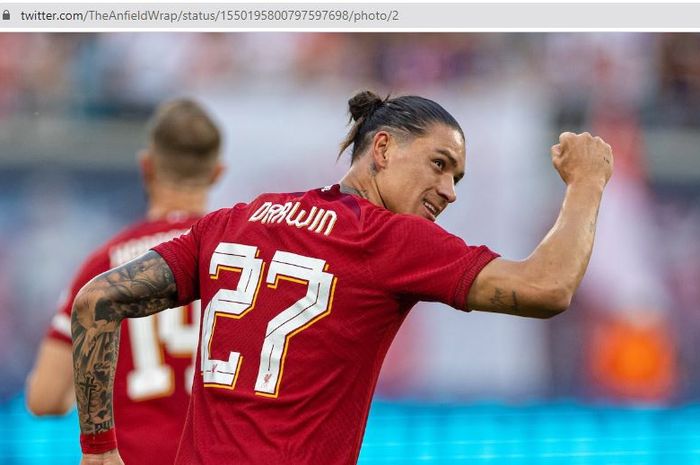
(543, 284)
(560, 260)
(95, 350)
(139, 288)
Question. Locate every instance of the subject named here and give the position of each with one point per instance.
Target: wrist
(98, 443)
(596, 187)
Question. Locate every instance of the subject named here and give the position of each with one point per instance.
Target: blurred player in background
(304, 292)
(154, 378)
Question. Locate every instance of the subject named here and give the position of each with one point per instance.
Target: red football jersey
(302, 295)
(155, 367)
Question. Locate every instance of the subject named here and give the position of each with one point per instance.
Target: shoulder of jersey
(137, 238)
(146, 227)
(329, 195)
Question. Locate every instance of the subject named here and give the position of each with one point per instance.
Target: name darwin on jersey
(129, 250)
(314, 220)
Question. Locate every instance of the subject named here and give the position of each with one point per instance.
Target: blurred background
(615, 379)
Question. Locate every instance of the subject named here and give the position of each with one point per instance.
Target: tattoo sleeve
(139, 288)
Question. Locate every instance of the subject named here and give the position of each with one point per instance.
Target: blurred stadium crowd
(72, 109)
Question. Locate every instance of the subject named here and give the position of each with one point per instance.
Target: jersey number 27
(235, 303)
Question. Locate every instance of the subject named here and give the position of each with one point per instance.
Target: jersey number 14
(150, 336)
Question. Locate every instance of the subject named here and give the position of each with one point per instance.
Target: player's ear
(147, 165)
(380, 147)
(217, 172)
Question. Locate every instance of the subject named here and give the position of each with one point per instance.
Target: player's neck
(360, 182)
(165, 201)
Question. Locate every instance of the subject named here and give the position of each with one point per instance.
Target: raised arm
(139, 288)
(543, 284)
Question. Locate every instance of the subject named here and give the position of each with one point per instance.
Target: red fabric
(148, 429)
(382, 264)
(98, 443)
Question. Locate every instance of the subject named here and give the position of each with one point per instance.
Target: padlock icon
(6, 15)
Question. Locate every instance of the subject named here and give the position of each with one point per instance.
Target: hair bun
(363, 104)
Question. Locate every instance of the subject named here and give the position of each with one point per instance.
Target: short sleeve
(416, 258)
(182, 256)
(60, 327)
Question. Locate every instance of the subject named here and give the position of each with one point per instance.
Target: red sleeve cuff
(484, 257)
(184, 289)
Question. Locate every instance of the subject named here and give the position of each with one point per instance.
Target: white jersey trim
(61, 323)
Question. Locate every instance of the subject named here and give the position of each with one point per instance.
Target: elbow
(38, 409)
(546, 302)
(81, 304)
(84, 305)
(42, 409)
(43, 403)
(96, 301)
(555, 301)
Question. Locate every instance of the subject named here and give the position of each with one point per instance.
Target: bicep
(506, 286)
(141, 287)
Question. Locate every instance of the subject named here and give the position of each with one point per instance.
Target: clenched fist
(582, 158)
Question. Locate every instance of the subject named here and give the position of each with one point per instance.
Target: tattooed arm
(139, 288)
(543, 285)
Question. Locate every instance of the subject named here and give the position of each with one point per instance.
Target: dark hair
(409, 113)
(185, 140)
